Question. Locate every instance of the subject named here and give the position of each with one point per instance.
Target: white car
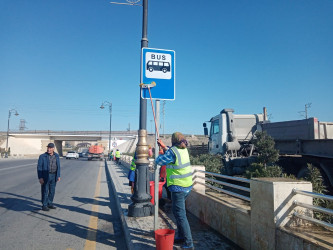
(72, 154)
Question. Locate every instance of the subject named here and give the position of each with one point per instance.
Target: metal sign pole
(141, 206)
(157, 167)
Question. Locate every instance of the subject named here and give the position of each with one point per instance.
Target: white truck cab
(228, 131)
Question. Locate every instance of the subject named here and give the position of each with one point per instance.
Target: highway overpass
(32, 143)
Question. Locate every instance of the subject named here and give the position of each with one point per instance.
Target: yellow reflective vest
(117, 154)
(180, 173)
(133, 166)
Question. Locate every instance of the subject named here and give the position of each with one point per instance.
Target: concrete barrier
(266, 222)
(272, 207)
(227, 215)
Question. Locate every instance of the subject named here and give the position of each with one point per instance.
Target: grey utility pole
(110, 111)
(141, 206)
(305, 112)
(9, 114)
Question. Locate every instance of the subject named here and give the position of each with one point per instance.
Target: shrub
(314, 176)
(213, 163)
(267, 156)
(257, 170)
(264, 144)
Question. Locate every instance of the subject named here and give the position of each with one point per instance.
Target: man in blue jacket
(48, 170)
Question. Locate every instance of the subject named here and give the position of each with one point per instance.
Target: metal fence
(222, 182)
(313, 208)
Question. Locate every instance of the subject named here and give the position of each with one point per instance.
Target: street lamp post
(9, 114)
(141, 206)
(110, 111)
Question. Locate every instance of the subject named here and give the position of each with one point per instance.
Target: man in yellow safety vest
(131, 173)
(117, 156)
(179, 182)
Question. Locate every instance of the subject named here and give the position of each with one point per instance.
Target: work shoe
(187, 247)
(45, 208)
(51, 207)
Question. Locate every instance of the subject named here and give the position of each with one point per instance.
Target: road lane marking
(20, 166)
(93, 222)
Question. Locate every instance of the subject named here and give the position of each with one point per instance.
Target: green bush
(257, 170)
(264, 144)
(267, 156)
(213, 163)
(314, 176)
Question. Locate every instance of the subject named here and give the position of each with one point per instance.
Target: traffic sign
(158, 66)
(114, 144)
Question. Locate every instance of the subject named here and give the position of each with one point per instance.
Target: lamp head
(102, 106)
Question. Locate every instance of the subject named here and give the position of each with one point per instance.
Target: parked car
(84, 153)
(72, 154)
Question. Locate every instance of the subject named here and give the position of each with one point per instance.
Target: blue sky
(59, 60)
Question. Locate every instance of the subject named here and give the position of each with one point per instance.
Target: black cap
(50, 145)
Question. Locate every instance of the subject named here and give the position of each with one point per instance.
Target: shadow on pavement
(20, 203)
(109, 236)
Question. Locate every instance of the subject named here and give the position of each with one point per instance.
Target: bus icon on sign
(158, 66)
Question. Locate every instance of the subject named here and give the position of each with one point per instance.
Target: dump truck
(96, 152)
(299, 142)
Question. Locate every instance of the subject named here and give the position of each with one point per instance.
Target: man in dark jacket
(48, 170)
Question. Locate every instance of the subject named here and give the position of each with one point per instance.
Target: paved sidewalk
(139, 232)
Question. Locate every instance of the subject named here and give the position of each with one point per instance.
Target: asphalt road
(85, 218)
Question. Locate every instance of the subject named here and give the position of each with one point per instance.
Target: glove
(160, 143)
(161, 152)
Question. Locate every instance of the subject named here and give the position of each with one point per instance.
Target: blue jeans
(179, 211)
(48, 190)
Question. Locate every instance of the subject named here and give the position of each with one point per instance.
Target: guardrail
(223, 183)
(314, 208)
(128, 160)
(57, 132)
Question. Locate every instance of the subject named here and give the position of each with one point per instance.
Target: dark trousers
(179, 211)
(48, 190)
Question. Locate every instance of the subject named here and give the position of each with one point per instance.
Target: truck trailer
(299, 142)
(96, 152)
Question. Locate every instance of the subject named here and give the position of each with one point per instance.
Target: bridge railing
(61, 132)
(235, 190)
(226, 187)
(314, 208)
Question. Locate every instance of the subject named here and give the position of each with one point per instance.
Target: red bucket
(152, 190)
(164, 239)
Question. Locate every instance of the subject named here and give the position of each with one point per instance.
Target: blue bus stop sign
(158, 66)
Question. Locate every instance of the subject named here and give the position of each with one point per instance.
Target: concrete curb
(126, 232)
(139, 231)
